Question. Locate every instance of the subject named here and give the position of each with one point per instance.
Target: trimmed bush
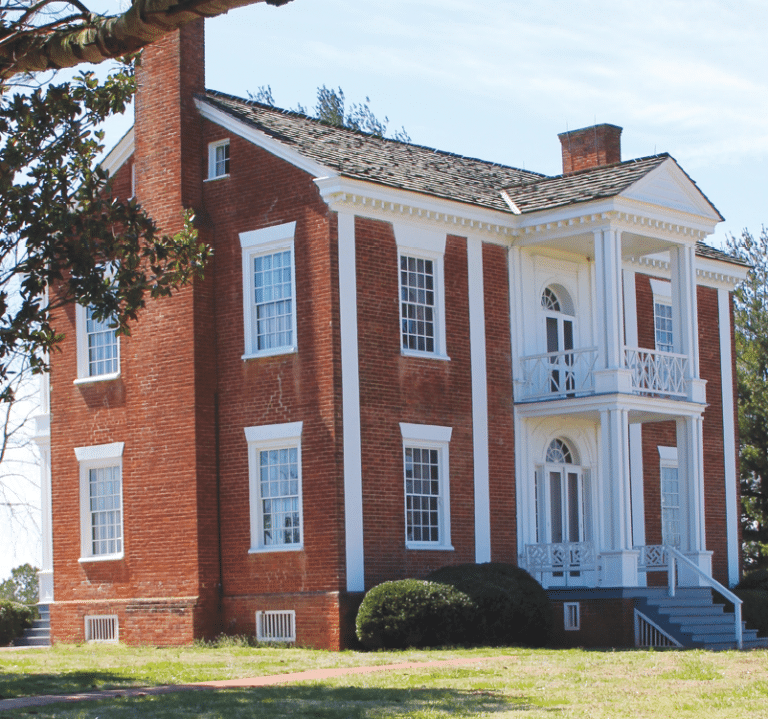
(413, 613)
(14, 619)
(754, 610)
(512, 607)
(755, 580)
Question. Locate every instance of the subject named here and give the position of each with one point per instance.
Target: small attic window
(218, 159)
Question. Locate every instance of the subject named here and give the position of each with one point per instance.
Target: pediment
(669, 186)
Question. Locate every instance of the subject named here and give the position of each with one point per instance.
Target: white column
(42, 438)
(690, 470)
(729, 436)
(609, 302)
(350, 391)
(618, 557)
(685, 322)
(479, 400)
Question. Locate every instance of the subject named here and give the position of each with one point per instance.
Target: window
(558, 322)
(98, 347)
(670, 497)
(422, 311)
(269, 291)
(218, 159)
(274, 459)
(662, 315)
(427, 489)
(101, 501)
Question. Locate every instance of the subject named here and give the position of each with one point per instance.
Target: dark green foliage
(750, 302)
(14, 619)
(63, 237)
(413, 613)
(754, 610)
(512, 607)
(754, 580)
(22, 587)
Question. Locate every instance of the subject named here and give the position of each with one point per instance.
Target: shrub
(14, 619)
(755, 580)
(754, 610)
(511, 606)
(412, 613)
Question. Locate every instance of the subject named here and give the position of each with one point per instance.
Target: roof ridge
(446, 153)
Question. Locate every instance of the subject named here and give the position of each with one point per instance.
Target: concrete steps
(694, 620)
(39, 634)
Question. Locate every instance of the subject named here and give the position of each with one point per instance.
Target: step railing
(650, 634)
(677, 558)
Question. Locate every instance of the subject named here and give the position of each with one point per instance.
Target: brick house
(399, 358)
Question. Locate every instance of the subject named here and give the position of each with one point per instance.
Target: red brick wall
(603, 623)
(501, 433)
(395, 389)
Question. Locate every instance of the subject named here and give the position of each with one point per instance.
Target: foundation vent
(276, 626)
(102, 628)
(572, 616)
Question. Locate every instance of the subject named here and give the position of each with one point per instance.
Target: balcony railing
(559, 374)
(657, 373)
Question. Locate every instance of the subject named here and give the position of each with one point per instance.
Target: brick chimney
(590, 147)
(169, 156)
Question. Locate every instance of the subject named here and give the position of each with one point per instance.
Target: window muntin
(269, 291)
(274, 457)
(102, 345)
(662, 317)
(426, 486)
(105, 501)
(101, 501)
(273, 300)
(671, 502)
(417, 303)
(218, 159)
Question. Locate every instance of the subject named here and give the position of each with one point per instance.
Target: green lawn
(512, 683)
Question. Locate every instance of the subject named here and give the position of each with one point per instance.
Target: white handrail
(675, 555)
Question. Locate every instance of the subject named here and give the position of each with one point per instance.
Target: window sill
(97, 378)
(102, 558)
(271, 353)
(218, 177)
(277, 548)
(430, 547)
(425, 355)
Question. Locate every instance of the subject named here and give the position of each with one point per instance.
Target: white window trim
(662, 295)
(264, 242)
(428, 245)
(81, 318)
(668, 457)
(425, 436)
(95, 457)
(212, 147)
(266, 437)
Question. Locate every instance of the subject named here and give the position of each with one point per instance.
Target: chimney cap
(601, 126)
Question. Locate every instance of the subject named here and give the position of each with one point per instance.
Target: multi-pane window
(218, 159)
(274, 458)
(422, 495)
(273, 300)
(269, 290)
(105, 501)
(670, 506)
(101, 501)
(102, 345)
(426, 485)
(662, 314)
(417, 303)
(279, 490)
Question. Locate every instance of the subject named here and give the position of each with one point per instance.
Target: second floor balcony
(572, 373)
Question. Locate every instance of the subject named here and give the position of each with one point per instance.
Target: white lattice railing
(657, 372)
(559, 374)
(560, 557)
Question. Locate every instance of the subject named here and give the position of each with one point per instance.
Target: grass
(512, 683)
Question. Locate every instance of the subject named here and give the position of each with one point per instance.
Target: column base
(619, 568)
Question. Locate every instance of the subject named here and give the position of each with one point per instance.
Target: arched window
(558, 323)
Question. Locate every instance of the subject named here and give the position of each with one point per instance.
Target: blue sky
(499, 79)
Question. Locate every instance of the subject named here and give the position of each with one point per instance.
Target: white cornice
(119, 154)
(261, 139)
(711, 273)
(391, 204)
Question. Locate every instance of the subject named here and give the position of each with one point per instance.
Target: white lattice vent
(102, 628)
(276, 626)
(572, 616)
